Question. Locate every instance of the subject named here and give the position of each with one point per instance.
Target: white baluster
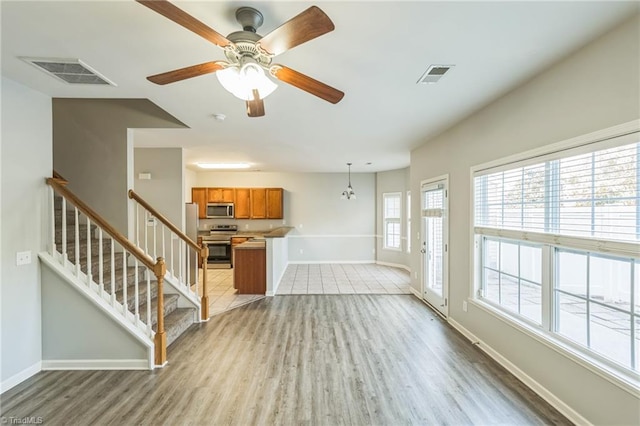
(124, 281)
(65, 256)
(195, 262)
(146, 234)
(137, 224)
(77, 245)
(100, 262)
(148, 300)
(155, 243)
(113, 273)
(136, 296)
(173, 274)
(89, 272)
(53, 221)
(187, 282)
(180, 258)
(162, 228)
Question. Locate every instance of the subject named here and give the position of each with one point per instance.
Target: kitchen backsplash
(243, 225)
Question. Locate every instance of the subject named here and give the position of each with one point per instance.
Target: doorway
(435, 244)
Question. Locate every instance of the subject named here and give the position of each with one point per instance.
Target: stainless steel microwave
(220, 211)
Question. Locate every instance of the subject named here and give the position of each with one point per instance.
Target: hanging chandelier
(348, 193)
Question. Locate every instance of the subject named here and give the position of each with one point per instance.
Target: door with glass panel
(434, 250)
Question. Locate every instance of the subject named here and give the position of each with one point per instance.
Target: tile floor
(311, 279)
(344, 279)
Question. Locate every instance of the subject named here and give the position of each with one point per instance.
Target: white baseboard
(16, 379)
(321, 262)
(543, 392)
(394, 265)
(415, 292)
(95, 364)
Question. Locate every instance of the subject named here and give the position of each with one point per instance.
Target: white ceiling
(375, 55)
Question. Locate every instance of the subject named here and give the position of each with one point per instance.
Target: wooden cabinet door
(242, 203)
(258, 203)
(274, 203)
(199, 196)
(220, 195)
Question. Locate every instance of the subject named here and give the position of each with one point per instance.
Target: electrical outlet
(301, 251)
(415, 275)
(246, 226)
(23, 258)
(270, 226)
(464, 305)
(300, 226)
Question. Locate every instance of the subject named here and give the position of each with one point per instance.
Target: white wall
(190, 179)
(26, 161)
(76, 332)
(328, 229)
(392, 181)
(596, 88)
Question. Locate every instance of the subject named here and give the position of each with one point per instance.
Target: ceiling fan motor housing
(244, 47)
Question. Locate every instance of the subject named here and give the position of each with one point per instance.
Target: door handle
(423, 251)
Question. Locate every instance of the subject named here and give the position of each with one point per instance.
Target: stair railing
(95, 278)
(183, 262)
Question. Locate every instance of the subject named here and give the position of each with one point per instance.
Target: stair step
(177, 323)
(142, 293)
(170, 305)
(71, 233)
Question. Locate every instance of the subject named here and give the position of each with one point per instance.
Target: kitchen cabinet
(250, 268)
(258, 203)
(221, 195)
(199, 196)
(242, 203)
(274, 203)
(234, 242)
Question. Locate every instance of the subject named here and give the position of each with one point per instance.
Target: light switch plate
(23, 258)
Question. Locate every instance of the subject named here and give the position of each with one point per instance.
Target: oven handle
(218, 243)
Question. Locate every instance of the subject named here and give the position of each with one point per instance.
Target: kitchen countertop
(251, 245)
(271, 233)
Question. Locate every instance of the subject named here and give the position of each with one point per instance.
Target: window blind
(592, 194)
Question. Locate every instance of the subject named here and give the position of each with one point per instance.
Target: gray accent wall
(595, 88)
(90, 150)
(327, 228)
(26, 160)
(392, 181)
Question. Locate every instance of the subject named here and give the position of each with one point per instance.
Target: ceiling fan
(249, 55)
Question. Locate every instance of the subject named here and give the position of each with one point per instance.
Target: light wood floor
(293, 360)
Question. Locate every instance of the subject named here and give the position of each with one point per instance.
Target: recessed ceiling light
(224, 165)
(219, 117)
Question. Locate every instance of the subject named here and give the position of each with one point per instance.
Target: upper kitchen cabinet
(266, 203)
(199, 196)
(258, 203)
(221, 195)
(242, 203)
(274, 203)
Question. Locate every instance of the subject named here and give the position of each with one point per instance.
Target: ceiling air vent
(72, 71)
(434, 73)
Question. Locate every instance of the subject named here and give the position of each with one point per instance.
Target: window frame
(408, 221)
(391, 220)
(626, 378)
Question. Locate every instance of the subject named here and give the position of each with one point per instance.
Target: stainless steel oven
(219, 243)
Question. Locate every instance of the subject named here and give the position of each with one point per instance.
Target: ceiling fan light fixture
(348, 194)
(241, 81)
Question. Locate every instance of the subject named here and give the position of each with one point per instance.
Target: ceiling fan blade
(181, 17)
(255, 107)
(307, 84)
(306, 26)
(187, 72)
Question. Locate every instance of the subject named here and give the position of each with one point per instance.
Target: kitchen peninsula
(260, 261)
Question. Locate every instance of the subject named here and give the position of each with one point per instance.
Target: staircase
(152, 298)
(176, 320)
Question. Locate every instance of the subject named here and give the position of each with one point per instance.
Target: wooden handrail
(203, 251)
(98, 220)
(58, 177)
(165, 221)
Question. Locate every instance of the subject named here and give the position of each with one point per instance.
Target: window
(408, 221)
(391, 214)
(558, 246)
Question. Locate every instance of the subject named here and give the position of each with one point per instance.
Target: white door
(435, 243)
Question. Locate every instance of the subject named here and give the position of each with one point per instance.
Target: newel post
(159, 270)
(204, 303)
